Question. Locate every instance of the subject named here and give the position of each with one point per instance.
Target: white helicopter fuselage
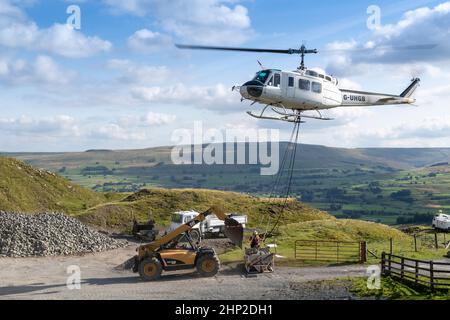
(303, 90)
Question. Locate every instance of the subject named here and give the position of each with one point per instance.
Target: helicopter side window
(291, 82)
(316, 87)
(328, 78)
(304, 84)
(312, 73)
(321, 76)
(276, 80)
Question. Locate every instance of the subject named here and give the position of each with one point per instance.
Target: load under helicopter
(289, 94)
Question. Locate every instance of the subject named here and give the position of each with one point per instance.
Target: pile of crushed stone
(49, 234)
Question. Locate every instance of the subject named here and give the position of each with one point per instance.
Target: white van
(441, 221)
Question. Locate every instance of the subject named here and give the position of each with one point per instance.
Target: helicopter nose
(252, 89)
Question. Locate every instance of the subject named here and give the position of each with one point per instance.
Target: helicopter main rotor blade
(392, 48)
(196, 47)
(303, 50)
(288, 51)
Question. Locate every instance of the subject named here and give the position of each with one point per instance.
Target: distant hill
(309, 156)
(160, 203)
(356, 183)
(25, 189)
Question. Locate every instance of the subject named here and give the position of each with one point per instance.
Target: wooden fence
(330, 251)
(435, 275)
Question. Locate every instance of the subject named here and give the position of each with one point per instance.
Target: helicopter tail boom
(363, 98)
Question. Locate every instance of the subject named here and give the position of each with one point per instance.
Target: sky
(118, 82)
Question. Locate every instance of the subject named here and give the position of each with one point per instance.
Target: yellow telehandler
(169, 253)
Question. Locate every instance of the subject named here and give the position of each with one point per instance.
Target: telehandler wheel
(150, 269)
(208, 265)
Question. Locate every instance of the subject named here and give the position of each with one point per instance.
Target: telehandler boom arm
(233, 230)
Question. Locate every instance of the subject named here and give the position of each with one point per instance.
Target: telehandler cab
(168, 253)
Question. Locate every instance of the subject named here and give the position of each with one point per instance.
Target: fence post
(363, 252)
(390, 263)
(432, 275)
(415, 242)
(337, 251)
(383, 268)
(436, 241)
(316, 249)
(295, 249)
(402, 268)
(391, 246)
(417, 272)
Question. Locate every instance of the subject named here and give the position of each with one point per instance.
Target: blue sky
(120, 83)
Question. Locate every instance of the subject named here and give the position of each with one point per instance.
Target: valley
(390, 186)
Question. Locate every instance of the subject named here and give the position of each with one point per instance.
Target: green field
(391, 186)
(26, 189)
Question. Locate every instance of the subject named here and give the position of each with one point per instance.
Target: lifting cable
(293, 144)
(291, 174)
(278, 179)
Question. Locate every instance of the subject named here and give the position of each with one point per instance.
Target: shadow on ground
(132, 279)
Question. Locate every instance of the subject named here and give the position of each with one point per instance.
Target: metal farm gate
(331, 251)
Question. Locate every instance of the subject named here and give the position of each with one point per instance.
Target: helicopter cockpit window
(262, 76)
(316, 87)
(304, 84)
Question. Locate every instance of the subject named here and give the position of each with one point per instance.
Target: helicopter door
(290, 87)
(274, 85)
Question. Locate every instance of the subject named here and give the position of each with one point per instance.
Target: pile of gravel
(49, 234)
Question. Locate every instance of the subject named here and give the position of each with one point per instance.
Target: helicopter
(289, 94)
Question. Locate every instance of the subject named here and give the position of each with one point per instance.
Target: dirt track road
(45, 278)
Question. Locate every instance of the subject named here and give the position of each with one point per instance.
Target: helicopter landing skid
(281, 118)
(295, 117)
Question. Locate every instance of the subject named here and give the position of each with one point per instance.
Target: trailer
(259, 260)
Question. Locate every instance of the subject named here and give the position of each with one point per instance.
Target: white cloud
(136, 7)
(17, 32)
(65, 41)
(146, 41)
(430, 131)
(157, 119)
(132, 72)
(149, 119)
(113, 131)
(202, 21)
(48, 71)
(61, 125)
(395, 43)
(218, 97)
(42, 71)
(132, 128)
(9, 13)
(345, 83)
(52, 128)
